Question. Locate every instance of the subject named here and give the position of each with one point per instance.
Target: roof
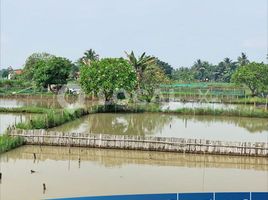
(18, 71)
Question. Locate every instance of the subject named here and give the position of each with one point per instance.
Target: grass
(24, 110)
(52, 119)
(258, 113)
(131, 108)
(7, 143)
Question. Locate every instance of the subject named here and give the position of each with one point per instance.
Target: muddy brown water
(11, 119)
(168, 125)
(56, 102)
(108, 172)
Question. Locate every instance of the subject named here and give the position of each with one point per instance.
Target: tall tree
(88, 57)
(167, 69)
(140, 64)
(183, 74)
(202, 70)
(108, 75)
(152, 78)
(4, 73)
(54, 71)
(254, 76)
(243, 59)
(224, 70)
(32, 63)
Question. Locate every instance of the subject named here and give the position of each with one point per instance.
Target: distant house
(12, 73)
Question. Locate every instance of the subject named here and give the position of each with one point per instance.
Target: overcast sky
(176, 31)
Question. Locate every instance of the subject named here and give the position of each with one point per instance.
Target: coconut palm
(199, 69)
(243, 60)
(89, 56)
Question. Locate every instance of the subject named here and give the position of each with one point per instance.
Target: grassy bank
(52, 119)
(154, 108)
(189, 97)
(7, 143)
(258, 113)
(24, 110)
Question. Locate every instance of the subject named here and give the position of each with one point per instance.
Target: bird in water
(32, 171)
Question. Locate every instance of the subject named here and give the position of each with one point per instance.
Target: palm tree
(243, 60)
(199, 69)
(140, 64)
(89, 56)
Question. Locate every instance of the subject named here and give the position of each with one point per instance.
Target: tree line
(144, 73)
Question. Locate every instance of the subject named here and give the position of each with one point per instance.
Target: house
(12, 73)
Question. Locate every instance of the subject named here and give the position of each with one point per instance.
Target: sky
(176, 31)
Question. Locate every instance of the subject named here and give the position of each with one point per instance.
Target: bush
(7, 143)
(52, 118)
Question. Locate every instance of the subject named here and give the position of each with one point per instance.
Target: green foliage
(258, 113)
(24, 110)
(224, 70)
(108, 75)
(9, 86)
(52, 118)
(54, 71)
(203, 71)
(7, 143)
(130, 108)
(167, 69)
(153, 76)
(4, 73)
(183, 74)
(140, 64)
(243, 60)
(31, 64)
(254, 76)
(88, 57)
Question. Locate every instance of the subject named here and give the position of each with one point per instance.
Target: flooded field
(10, 119)
(107, 172)
(167, 125)
(46, 102)
(55, 102)
(194, 105)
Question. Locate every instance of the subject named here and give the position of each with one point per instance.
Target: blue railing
(182, 196)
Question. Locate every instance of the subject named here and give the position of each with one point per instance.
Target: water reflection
(38, 101)
(195, 105)
(119, 158)
(10, 119)
(167, 125)
(108, 172)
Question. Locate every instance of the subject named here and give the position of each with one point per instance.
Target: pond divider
(146, 143)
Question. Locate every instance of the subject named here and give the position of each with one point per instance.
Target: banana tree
(140, 64)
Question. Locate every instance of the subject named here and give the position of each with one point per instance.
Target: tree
(140, 64)
(4, 73)
(224, 70)
(53, 71)
(254, 76)
(243, 60)
(108, 75)
(167, 69)
(32, 62)
(183, 74)
(89, 56)
(152, 78)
